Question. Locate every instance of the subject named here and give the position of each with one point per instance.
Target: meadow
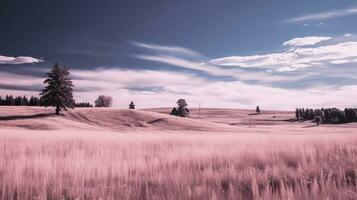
(176, 165)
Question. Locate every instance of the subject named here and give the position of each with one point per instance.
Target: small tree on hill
(131, 105)
(59, 90)
(103, 101)
(257, 109)
(181, 109)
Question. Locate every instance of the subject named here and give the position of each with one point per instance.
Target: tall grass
(55, 165)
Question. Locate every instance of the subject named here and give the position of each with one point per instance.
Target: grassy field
(88, 165)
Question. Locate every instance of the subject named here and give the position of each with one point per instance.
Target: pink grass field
(145, 154)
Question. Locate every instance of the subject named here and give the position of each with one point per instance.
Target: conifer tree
(257, 110)
(59, 90)
(131, 105)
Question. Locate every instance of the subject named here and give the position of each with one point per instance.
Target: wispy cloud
(195, 63)
(297, 58)
(166, 49)
(18, 60)
(325, 15)
(304, 41)
(260, 76)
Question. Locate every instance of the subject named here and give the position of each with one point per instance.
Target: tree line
(10, 100)
(327, 115)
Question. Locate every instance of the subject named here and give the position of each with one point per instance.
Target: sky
(279, 54)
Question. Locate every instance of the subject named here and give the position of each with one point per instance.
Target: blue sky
(277, 54)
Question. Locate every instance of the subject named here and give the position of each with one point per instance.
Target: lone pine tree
(59, 90)
(131, 105)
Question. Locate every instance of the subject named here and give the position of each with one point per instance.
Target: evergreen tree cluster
(329, 115)
(10, 100)
(83, 105)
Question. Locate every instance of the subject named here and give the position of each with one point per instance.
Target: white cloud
(312, 40)
(166, 49)
(324, 15)
(18, 60)
(296, 58)
(339, 61)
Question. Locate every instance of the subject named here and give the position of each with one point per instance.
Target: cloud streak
(324, 15)
(166, 49)
(18, 60)
(304, 41)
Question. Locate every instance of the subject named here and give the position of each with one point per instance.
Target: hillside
(101, 118)
(153, 120)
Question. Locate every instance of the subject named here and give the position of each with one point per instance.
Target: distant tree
(181, 109)
(131, 105)
(24, 101)
(318, 120)
(18, 101)
(103, 101)
(9, 100)
(297, 113)
(59, 90)
(83, 105)
(257, 110)
(181, 103)
(34, 101)
(174, 111)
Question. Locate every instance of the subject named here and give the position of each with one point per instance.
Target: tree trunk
(57, 110)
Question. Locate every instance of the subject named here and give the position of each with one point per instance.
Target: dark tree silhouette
(83, 105)
(59, 90)
(131, 105)
(328, 115)
(103, 101)
(297, 113)
(257, 109)
(318, 120)
(9, 100)
(181, 109)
